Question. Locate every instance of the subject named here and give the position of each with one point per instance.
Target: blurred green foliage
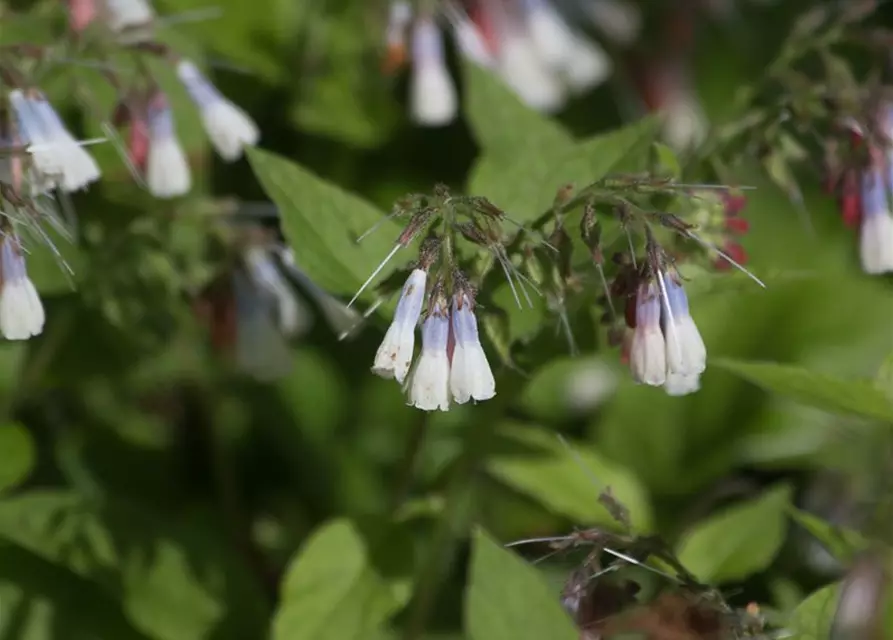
(152, 490)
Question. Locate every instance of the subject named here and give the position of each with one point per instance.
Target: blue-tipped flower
(429, 388)
(21, 312)
(167, 170)
(394, 356)
(229, 128)
(648, 357)
(686, 353)
(57, 158)
(470, 374)
(432, 91)
(876, 233)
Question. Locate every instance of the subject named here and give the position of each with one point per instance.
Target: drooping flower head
(470, 374)
(21, 311)
(429, 385)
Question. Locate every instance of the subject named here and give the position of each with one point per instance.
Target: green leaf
(322, 222)
(42, 601)
(667, 161)
(502, 124)
(331, 591)
(841, 543)
(171, 585)
(567, 482)
(848, 397)
(812, 619)
(738, 541)
(17, 455)
(525, 184)
(507, 599)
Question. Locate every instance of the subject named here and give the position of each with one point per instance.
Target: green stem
(457, 519)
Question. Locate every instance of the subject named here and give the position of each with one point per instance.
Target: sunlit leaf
(331, 591)
(507, 599)
(849, 397)
(737, 541)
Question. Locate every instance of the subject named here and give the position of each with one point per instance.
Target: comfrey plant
(463, 238)
(117, 39)
(531, 45)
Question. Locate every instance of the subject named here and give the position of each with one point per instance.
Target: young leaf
(331, 591)
(848, 397)
(667, 161)
(17, 453)
(567, 482)
(322, 222)
(812, 619)
(502, 124)
(738, 541)
(525, 184)
(507, 599)
(841, 543)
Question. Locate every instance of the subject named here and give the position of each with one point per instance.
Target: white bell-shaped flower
(433, 100)
(552, 38)
(124, 14)
(686, 352)
(526, 74)
(588, 66)
(429, 386)
(229, 128)
(470, 374)
(167, 169)
(394, 355)
(682, 385)
(21, 311)
(876, 232)
(647, 357)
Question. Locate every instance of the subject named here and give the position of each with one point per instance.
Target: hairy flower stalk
(21, 311)
(167, 172)
(229, 128)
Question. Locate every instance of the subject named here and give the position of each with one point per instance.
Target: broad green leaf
(507, 599)
(17, 455)
(738, 541)
(502, 125)
(812, 619)
(567, 482)
(331, 591)
(525, 184)
(171, 585)
(42, 601)
(849, 397)
(841, 543)
(322, 222)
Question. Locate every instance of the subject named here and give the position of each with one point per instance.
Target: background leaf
(18, 455)
(738, 541)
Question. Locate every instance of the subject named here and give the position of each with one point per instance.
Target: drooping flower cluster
(529, 43)
(57, 159)
(665, 349)
(864, 186)
(452, 365)
(21, 311)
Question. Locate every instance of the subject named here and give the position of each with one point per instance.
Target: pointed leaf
(321, 222)
(841, 543)
(738, 541)
(331, 591)
(507, 599)
(812, 619)
(567, 482)
(848, 397)
(501, 123)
